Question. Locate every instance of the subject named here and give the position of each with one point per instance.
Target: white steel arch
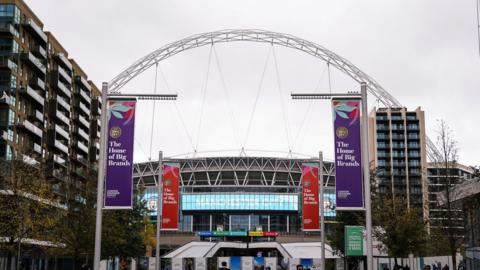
(255, 35)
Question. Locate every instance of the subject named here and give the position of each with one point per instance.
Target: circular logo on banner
(115, 132)
(168, 182)
(306, 183)
(341, 132)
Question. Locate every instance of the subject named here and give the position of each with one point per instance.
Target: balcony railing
(64, 74)
(85, 97)
(38, 83)
(28, 91)
(64, 103)
(9, 29)
(84, 83)
(82, 147)
(62, 117)
(58, 159)
(39, 115)
(36, 30)
(62, 59)
(83, 121)
(62, 132)
(62, 147)
(61, 86)
(34, 62)
(37, 148)
(83, 134)
(40, 51)
(8, 63)
(31, 127)
(84, 108)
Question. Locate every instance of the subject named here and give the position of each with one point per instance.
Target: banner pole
(101, 178)
(159, 203)
(366, 176)
(322, 204)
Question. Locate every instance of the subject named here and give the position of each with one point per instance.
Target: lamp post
(102, 158)
(158, 262)
(365, 159)
(322, 207)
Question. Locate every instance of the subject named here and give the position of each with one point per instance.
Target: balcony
(30, 161)
(65, 90)
(413, 136)
(36, 30)
(83, 134)
(84, 108)
(27, 125)
(81, 159)
(60, 146)
(37, 148)
(7, 63)
(83, 82)
(5, 99)
(37, 83)
(63, 103)
(39, 115)
(34, 62)
(60, 130)
(62, 60)
(9, 30)
(85, 97)
(82, 147)
(64, 75)
(32, 94)
(59, 160)
(60, 116)
(60, 174)
(40, 51)
(83, 121)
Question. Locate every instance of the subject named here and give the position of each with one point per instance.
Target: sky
(424, 53)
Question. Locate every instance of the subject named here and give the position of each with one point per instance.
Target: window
(7, 10)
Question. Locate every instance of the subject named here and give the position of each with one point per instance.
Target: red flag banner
(310, 198)
(170, 184)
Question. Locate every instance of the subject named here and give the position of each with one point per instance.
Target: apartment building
(397, 147)
(49, 110)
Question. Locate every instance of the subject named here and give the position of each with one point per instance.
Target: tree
(77, 229)
(445, 159)
(400, 230)
(29, 209)
(125, 232)
(336, 237)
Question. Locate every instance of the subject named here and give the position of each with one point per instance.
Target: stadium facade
(237, 194)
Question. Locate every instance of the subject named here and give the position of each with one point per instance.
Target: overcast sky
(425, 53)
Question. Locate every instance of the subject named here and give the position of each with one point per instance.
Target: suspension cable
(177, 110)
(259, 89)
(478, 24)
(282, 102)
(329, 78)
(204, 96)
(153, 112)
(225, 90)
(141, 148)
(307, 112)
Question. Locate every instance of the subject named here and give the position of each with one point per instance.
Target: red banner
(170, 183)
(310, 204)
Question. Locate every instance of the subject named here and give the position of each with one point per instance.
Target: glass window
(7, 10)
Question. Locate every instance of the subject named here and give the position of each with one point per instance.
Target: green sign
(354, 240)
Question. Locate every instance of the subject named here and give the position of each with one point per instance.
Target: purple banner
(348, 155)
(121, 127)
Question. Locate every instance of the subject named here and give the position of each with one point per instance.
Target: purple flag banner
(348, 155)
(119, 163)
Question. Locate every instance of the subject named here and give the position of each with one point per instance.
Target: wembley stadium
(236, 194)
